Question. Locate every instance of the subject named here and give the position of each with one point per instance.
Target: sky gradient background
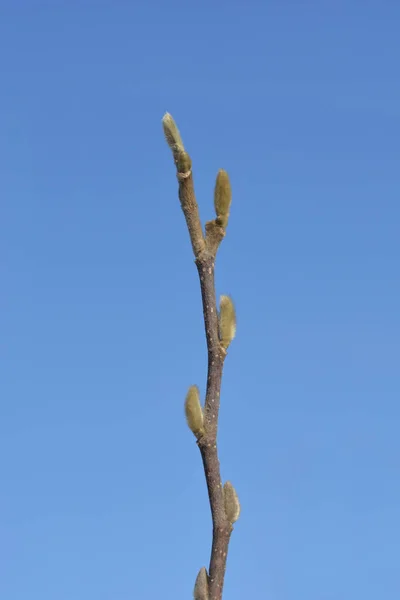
(102, 490)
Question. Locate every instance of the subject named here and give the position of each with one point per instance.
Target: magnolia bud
(194, 412)
(222, 198)
(200, 591)
(232, 504)
(227, 321)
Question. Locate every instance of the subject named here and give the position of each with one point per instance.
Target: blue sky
(103, 494)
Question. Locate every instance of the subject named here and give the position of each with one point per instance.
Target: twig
(220, 330)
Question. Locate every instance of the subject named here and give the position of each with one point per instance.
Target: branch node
(182, 176)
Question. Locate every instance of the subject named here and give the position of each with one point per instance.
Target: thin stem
(222, 528)
(205, 251)
(191, 212)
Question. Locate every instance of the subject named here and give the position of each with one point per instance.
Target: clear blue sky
(102, 490)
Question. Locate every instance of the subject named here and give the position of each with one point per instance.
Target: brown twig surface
(205, 250)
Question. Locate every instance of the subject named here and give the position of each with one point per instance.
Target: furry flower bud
(200, 591)
(194, 411)
(172, 135)
(227, 321)
(232, 504)
(222, 198)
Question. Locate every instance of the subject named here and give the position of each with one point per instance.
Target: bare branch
(224, 502)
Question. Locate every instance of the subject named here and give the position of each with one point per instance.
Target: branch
(220, 330)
